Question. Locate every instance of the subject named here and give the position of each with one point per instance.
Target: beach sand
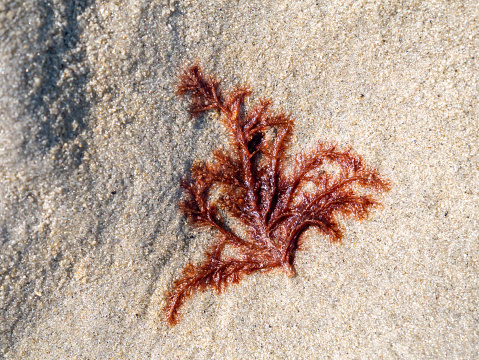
(94, 142)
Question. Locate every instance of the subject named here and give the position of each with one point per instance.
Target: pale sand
(93, 142)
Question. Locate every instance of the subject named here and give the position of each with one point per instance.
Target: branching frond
(214, 273)
(273, 200)
(204, 92)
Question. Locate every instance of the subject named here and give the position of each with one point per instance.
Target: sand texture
(94, 142)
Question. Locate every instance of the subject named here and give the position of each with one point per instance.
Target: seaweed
(257, 199)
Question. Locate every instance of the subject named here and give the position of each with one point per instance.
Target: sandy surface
(93, 142)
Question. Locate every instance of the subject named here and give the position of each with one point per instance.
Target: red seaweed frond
(274, 201)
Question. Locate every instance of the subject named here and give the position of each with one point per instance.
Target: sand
(94, 141)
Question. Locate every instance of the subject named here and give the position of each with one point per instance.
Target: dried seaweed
(273, 197)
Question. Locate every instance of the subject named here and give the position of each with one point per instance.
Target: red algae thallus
(275, 198)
